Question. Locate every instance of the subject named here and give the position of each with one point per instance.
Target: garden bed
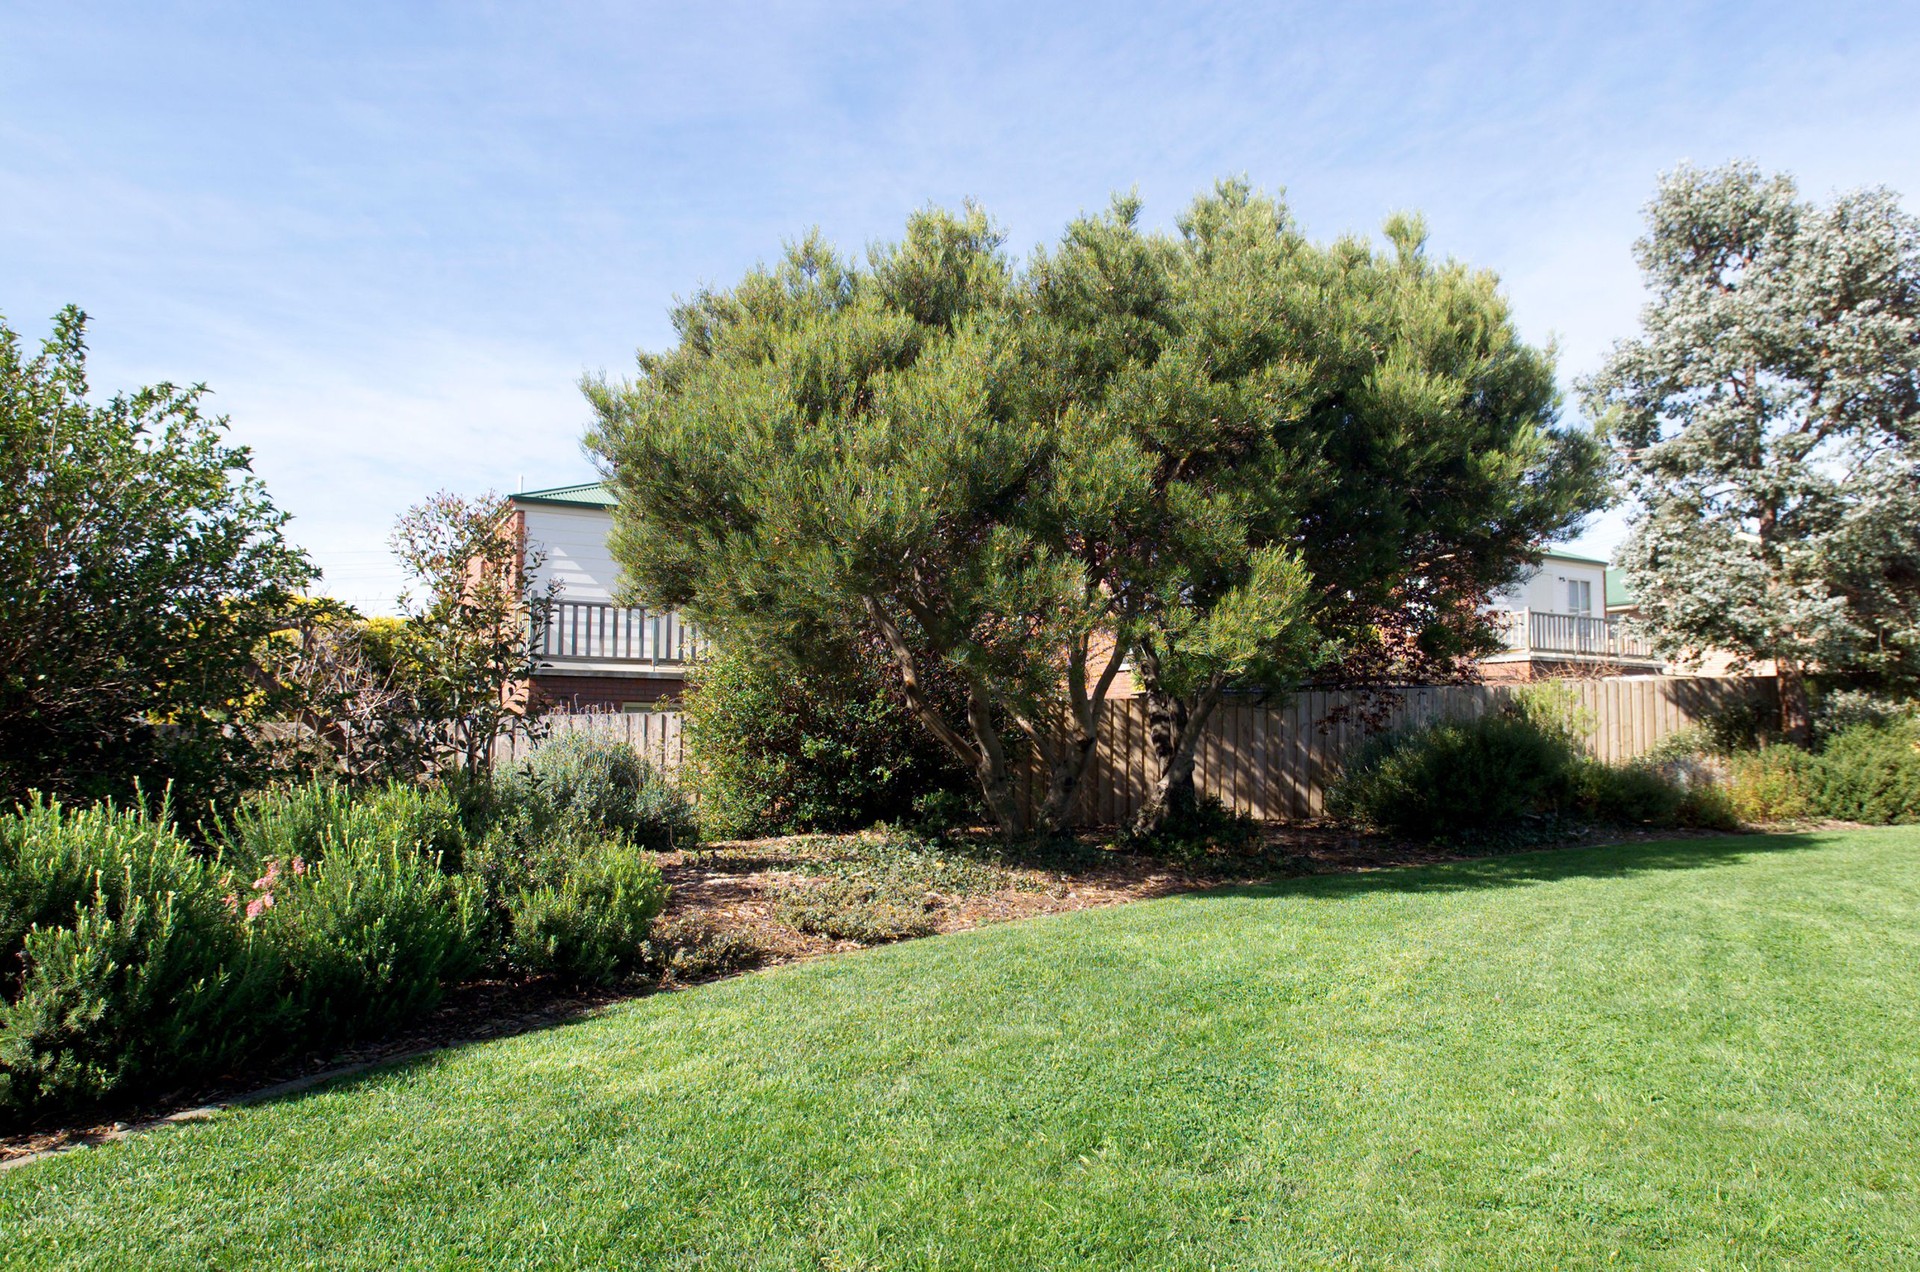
(758, 903)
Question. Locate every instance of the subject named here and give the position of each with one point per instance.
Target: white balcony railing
(596, 632)
(1528, 631)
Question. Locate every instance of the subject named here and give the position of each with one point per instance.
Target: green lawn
(1701, 1054)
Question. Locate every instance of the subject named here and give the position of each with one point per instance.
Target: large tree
(141, 567)
(1347, 450)
(835, 446)
(1767, 425)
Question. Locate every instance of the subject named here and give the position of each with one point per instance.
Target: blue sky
(392, 236)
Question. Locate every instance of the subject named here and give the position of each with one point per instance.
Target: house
(595, 655)
(1566, 618)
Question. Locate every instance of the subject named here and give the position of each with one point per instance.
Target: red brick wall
(605, 693)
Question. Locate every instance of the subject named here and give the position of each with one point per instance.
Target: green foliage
(1771, 783)
(1205, 835)
(871, 911)
(1837, 710)
(773, 750)
(1349, 448)
(141, 565)
(305, 822)
(1458, 776)
(591, 926)
(1627, 794)
(1485, 775)
(1764, 422)
(122, 969)
(369, 936)
(596, 787)
(475, 615)
(1869, 773)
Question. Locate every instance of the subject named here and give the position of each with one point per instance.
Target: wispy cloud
(391, 237)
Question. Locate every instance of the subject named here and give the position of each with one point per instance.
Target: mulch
(730, 893)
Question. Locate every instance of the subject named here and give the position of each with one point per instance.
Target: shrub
(1770, 784)
(1869, 773)
(1458, 775)
(601, 787)
(592, 926)
(368, 937)
(304, 823)
(773, 751)
(1837, 711)
(122, 968)
(1628, 794)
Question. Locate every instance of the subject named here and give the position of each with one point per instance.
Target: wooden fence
(655, 734)
(1276, 762)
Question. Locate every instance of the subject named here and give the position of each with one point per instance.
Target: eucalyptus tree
(835, 446)
(1767, 424)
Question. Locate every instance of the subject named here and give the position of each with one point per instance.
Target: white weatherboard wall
(1546, 591)
(575, 543)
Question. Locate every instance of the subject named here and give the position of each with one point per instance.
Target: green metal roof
(1551, 555)
(1618, 593)
(592, 494)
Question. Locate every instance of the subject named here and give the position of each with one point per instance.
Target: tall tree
(832, 445)
(1347, 451)
(141, 566)
(1767, 425)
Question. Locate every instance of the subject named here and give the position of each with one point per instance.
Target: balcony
(1530, 634)
(595, 637)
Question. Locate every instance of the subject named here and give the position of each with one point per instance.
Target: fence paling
(1277, 762)
(1270, 762)
(656, 735)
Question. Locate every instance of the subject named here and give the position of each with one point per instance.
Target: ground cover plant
(1689, 1054)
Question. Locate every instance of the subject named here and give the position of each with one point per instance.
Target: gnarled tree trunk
(1174, 728)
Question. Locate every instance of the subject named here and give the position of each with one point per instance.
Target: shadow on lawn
(1546, 865)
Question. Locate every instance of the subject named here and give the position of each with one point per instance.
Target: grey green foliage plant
(598, 787)
(1766, 423)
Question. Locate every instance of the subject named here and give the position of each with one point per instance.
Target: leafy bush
(1770, 783)
(1837, 711)
(1458, 775)
(303, 823)
(122, 969)
(1466, 776)
(591, 926)
(1869, 773)
(1629, 794)
(773, 751)
(368, 937)
(600, 786)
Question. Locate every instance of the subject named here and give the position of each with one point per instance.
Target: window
(1579, 596)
